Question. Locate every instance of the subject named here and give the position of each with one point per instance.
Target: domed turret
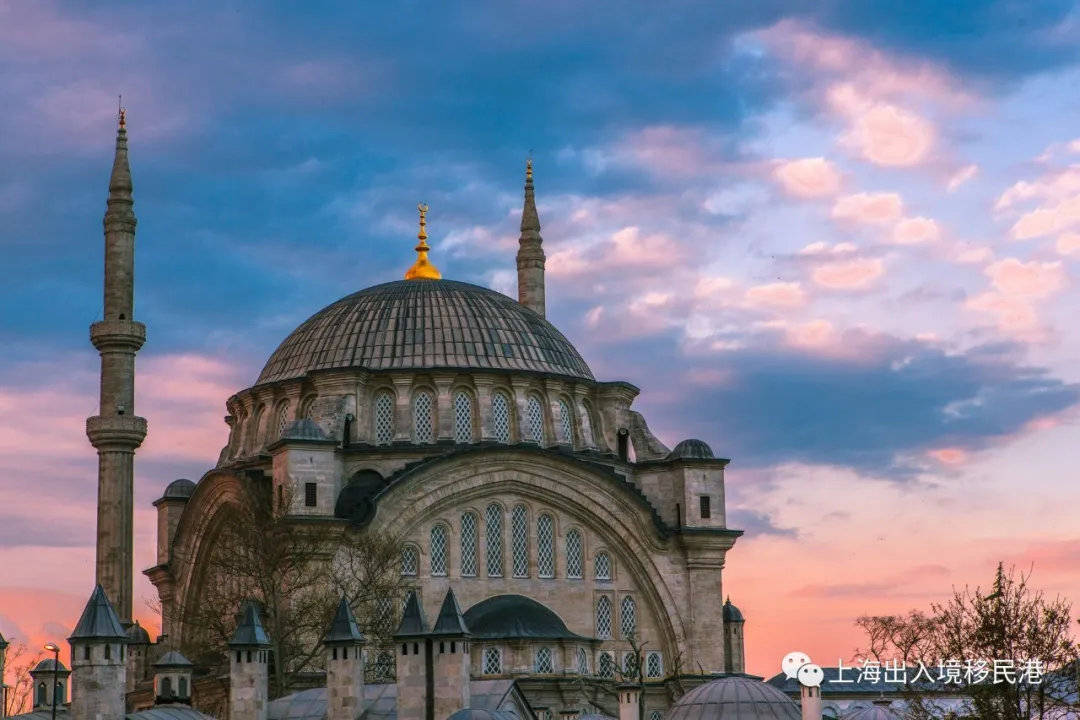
(691, 449)
(734, 698)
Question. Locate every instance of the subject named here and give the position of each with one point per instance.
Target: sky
(838, 241)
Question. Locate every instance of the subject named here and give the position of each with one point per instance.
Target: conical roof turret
(450, 621)
(250, 631)
(98, 620)
(413, 623)
(343, 628)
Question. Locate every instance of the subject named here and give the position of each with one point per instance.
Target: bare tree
(20, 693)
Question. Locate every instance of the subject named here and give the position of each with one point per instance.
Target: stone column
(403, 415)
(444, 407)
(483, 403)
(521, 398)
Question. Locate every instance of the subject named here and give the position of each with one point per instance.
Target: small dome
(47, 665)
(877, 711)
(137, 635)
(181, 488)
(691, 450)
(732, 613)
(735, 698)
(515, 616)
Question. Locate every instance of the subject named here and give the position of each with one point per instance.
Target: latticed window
(283, 420)
(582, 661)
(629, 663)
(603, 566)
(573, 554)
(384, 666)
(409, 560)
(654, 665)
(519, 536)
(500, 417)
(384, 616)
(534, 419)
(543, 662)
(566, 424)
(384, 418)
(438, 550)
(628, 616)
(493, 530)
(423, 427)
(492, 664)
(605, 665)
(603, 617)
(468, 544)
(463, 432)
(656, 715)
(545, 550)
(586, 427)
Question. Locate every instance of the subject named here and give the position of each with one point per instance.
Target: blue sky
(837, 242)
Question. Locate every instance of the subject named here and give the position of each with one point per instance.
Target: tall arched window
(654, 665)
(628, 616)
(492, 664)
(605, 665)
(438, 550)
(573, 554)
(566, 424)
(463, 425)
(305, 407)
(282, 420)
(603, 566)
(253, 431)
(543, 662)
(493, 531)
(582, 661)
(423, 425)
(166, 687)
(534, 419)
(409, 560)
(468, 544)
(42, 689)
(587, 436)
(500, 417)
(545, 550)
(182, 688)
(603, 617)
(384, 418)
(519, 535)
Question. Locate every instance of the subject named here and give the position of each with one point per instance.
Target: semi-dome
(515, 616)
(735, 698)
(425, 325)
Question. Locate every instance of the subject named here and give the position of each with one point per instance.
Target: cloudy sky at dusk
(840, 245)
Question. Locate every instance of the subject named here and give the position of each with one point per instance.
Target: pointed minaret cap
(343, 629)
(250, 631)
(120, 180)
(98, 620)
(530, 220)
(413, 623)
(450, 622)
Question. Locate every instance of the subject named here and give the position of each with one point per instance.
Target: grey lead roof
(250, 631)
(450, 622)
(343, 628)
(173, 658)
(735, 698)
(425, 324)
(380, 701)
(515, 616)
(872, 712)
(691, 448)
(413, 622)
(98, 620)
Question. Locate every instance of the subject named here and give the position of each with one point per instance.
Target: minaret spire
(530, 256)
(115, 432)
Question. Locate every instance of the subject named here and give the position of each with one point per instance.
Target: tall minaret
(530, 256)
(116, 431)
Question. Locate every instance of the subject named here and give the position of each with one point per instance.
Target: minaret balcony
(118, 335)
(122, 432)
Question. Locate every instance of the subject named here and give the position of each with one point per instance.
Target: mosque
(556, 537)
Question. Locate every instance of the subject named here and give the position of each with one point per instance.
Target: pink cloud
(775, 295)
(916, 230)
(808, 177)
(949, 455)
(1032, 279)
(882, 133)
(961, 176)
(1068, 244)
(970, 253)
(1014, 316)
(868, 208)
(855, 274)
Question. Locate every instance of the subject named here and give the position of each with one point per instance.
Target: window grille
(409, 560)
(566, 424)
(654, 665)
(544, 663)
(500, 417)
(463, 430)
(573, 554)
(438, 550)
(492, 661)
(384, 616)
(423, 429)
(283, 420)
(545, 551)
(603, 566)
(603, 617)
(629, 664)
(605, 665)
(384, 418)
(493, 530)
(468, 544)
(534, 416)
(384, 666)
(628, 616)
(519, 531)
(582, 661)
(656, 715)
(311, 494)
(705, 510)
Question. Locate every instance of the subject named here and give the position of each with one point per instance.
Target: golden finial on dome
(422, 269)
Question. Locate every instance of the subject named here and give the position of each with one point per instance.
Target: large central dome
(425, 324)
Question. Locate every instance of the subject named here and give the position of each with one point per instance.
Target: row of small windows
(627, 617)
(491, 662)
(519, 545)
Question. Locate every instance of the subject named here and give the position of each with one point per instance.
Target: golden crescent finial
(422, 269)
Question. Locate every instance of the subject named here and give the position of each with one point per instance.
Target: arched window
(493, 530)
(573, 554)
(468, 544)
(423, 427)
(282, 420)
(384, 418)
(253, 431)
(605, 665)
(166, 687)
(463, 426)
(519, 536)
(409, 560)
(543, 662)
(654, 665)
(60, 695)
(492, 664)
(629, 664)
(603, 617)
(545, 550)
(384, 666)
(384, 615)
(534, 419)
(628, 616)
(438, 550)
(182, 690)
(587, 436)
(603, 566)
(42, 689)
(500, 417)
(566, 424)
(582, 661)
